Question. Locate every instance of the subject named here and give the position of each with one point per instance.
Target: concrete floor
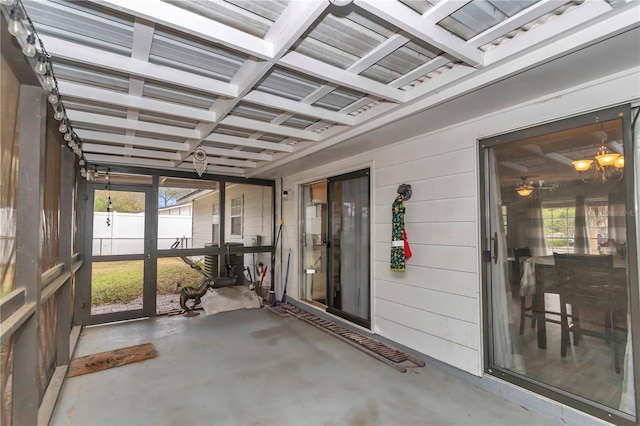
(256, 368)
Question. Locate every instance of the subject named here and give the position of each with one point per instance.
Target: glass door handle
(495, 248)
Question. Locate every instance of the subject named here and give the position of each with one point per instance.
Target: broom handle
(286, 279)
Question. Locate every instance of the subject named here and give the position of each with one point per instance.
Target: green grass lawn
(121, 281)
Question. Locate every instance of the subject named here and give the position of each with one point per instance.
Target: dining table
(539, 278)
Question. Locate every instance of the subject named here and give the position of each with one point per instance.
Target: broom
(286, 279)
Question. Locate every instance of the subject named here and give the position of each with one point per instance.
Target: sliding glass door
(348, 251)
(314, 244)
(560, 253)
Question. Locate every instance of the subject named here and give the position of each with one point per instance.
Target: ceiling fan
(524, 189)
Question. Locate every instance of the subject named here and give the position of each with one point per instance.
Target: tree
(121, 201)
(169, 196)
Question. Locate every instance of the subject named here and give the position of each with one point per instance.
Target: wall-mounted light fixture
(286, 194)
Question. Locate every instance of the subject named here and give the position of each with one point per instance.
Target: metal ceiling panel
(83, 23)
(252, 149)
(419, 6)
(344, 35)
(203, 58)
(255, 18)
(288, 84)
(151, 117)
(272, 138)
(401, 61)
(255, 112)
(338, 99)
(270, 10)
(478, 16)
(300, 122)
(98, 128)
(181, 95)
(386, 43)
(92, 76)
(159, 136)
(233, 131)
(96, 107)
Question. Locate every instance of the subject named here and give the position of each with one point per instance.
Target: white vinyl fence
(125, 234)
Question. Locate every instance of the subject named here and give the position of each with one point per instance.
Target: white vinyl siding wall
(257, 216)
(202, 220)
(435, 306)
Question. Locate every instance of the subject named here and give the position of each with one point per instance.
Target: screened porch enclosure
(146, 142)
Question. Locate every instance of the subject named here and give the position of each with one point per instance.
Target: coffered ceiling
(259, 83)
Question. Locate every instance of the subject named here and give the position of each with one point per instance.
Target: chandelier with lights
(607, 166)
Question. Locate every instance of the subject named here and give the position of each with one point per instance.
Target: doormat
(111, 359)
(388, 354)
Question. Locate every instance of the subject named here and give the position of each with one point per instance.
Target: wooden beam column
(67, 174)
(30, 199)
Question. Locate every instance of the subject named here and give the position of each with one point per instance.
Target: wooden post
(30, 199)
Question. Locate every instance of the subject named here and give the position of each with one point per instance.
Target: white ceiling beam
(277, 102)
(123, 123)
(407, 20)
(560, 158)
(581, 14)
(378, 53)
(133, 152)
(321, 70)
(194, 24)
(615, 22)
(448, 78)
(260, 126)
(82, 91)
(134, 161)
(226, 162)
(292, 23)
(216, 169)
(160, 164)
(142, 39)
(422, 70)
(253, 143)
(91, 135)
(140, 50)
(248, 75)
(525, 16)
(514, 166)
(103, 59)
(443, 9)
(223, 152)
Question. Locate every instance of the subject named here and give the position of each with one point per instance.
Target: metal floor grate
(381, 351)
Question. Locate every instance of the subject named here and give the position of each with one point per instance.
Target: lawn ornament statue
(187, 293)
(196, 293)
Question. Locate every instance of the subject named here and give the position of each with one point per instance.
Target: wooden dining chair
(588, 282)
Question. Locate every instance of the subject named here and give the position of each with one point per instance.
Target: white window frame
(235, 214)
